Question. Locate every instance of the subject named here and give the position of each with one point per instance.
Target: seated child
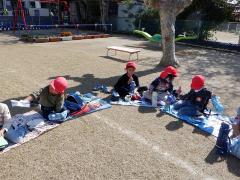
(163, 84)
(128, 83)
(194, 102)
(5, 117)
(51, 98)
(236, 125)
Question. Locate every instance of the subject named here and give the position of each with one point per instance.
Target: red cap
(171, 70)
(198, 82)
(163, 75)
(59, 84)
(131, 64)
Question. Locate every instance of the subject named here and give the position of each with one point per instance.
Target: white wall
(42, 11)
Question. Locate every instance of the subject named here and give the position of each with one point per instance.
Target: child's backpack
(223, 141)
(74, 102)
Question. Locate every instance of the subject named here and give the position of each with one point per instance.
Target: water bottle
(219, 108)
(154, 99)
(132, 87)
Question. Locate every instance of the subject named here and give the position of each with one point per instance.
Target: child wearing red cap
(195, 101)
(51, 97)
(163, 84)
(128, 83)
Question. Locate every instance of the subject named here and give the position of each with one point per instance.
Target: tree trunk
(167, 20)
(104, 10)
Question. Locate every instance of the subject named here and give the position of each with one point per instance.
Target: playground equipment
(19, 9)
(157, 38)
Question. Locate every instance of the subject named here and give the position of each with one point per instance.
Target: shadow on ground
(232, 162)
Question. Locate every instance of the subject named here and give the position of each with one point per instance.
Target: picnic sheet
(94, 104)
(137, 103)
(210, 124)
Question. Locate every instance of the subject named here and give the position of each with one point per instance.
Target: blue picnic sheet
(137, 103)
(210, 123)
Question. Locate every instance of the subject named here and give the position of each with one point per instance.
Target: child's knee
(147, 95)
(188, 111)
(178, 105)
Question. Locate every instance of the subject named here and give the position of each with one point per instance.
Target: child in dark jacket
(195, 101)
(128, 83)
(163, 84)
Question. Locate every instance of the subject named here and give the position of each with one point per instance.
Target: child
(5, 117)
(236, 124)
(194, 102)
(51, 98)
(124, 85)
(163, 84)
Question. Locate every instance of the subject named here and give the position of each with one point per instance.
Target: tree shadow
(147, 46)
(88, 81)
(221, 70)
(114, 59)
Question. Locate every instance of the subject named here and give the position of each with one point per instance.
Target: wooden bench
(123, 49)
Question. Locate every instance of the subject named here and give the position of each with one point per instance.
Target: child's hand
(130, 80)
(2, 131)
(198, 99)
(179, 91)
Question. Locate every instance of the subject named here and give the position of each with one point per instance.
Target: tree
(104, 6)
(211, 13)
(168, 10)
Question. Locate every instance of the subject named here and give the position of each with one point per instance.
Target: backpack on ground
(74, 102)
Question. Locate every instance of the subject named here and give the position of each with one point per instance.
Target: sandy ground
(226, 37)
(121, 142)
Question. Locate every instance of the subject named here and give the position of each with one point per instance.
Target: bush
(149, 20)
(63, 34)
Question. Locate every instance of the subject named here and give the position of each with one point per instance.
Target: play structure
(157, 38)
(19, 11)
